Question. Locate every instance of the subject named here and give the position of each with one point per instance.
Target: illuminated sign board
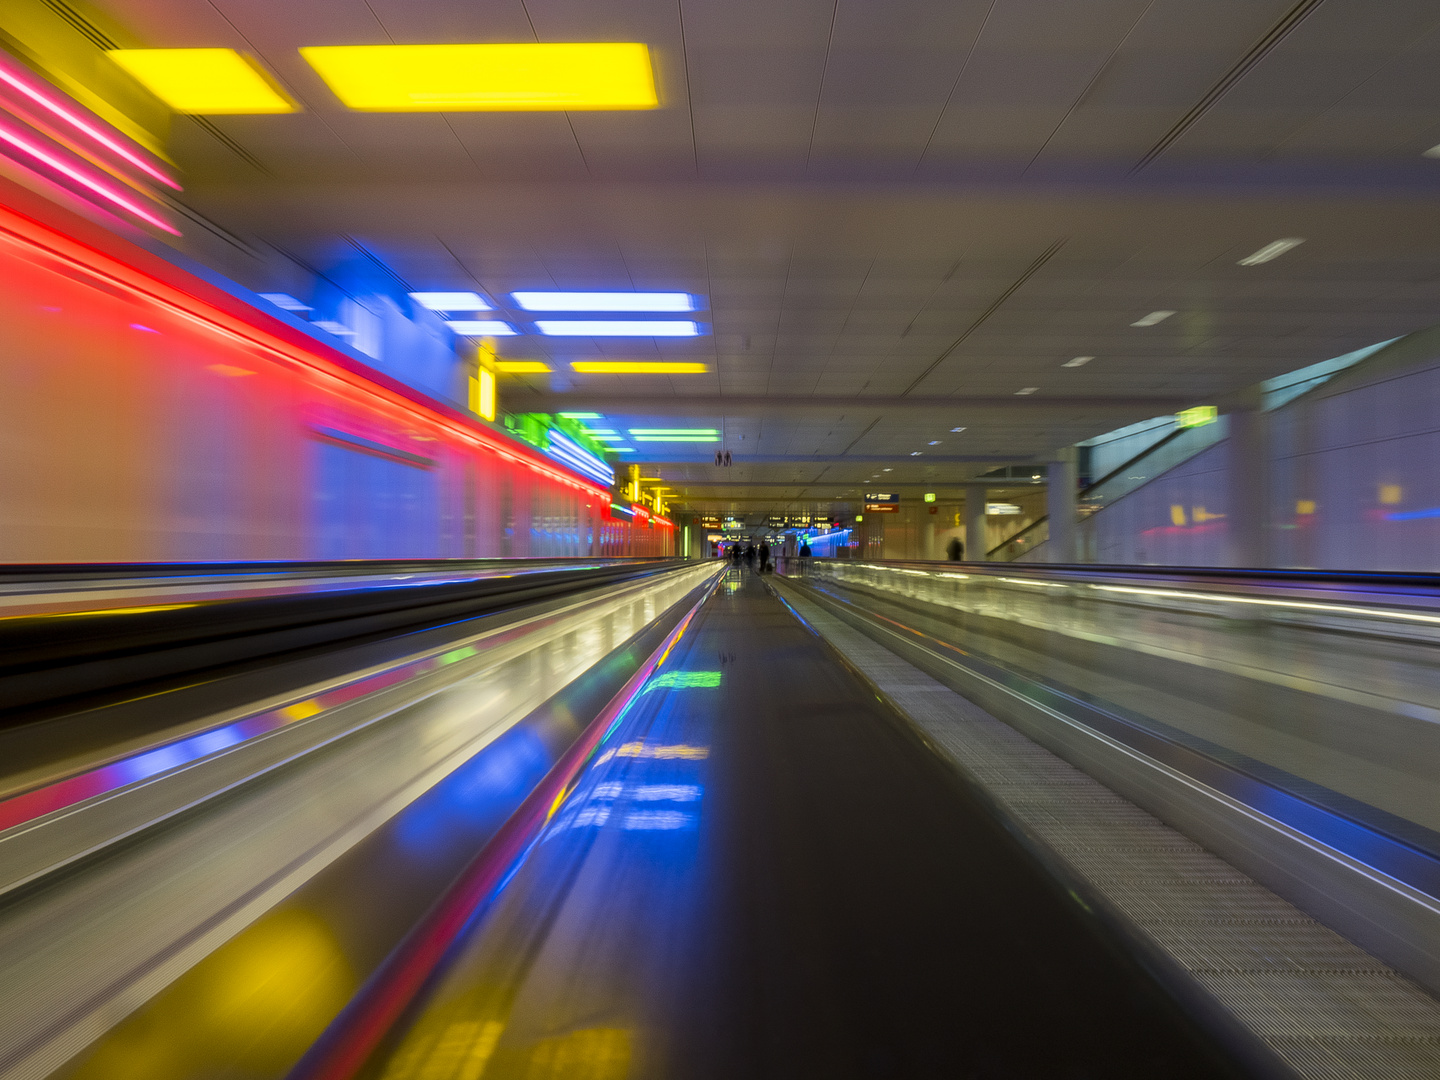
(882, 503)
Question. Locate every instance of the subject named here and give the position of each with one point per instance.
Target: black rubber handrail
(48, 657)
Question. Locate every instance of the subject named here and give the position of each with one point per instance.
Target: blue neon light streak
(566, 450)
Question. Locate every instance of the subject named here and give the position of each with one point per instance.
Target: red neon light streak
(95, 263)
(12, 76)
(39, 153)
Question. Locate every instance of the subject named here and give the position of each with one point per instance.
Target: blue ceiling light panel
(451, 301)
(617, 328)
(481, 327)
(604, 301)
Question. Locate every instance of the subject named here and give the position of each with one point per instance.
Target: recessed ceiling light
(1153, 318)
(934, 442)
(1026, 390)
(1079, 361)
(887, 470)
(451, 301)
(204, 81)
(1434, 152)
(581, 415)
(1272, 250)
(916, 453)
(605, 301)
(636, 367)
(488, 77)
(955, 429)
(523, 367)
(481, 327)
(616, 328)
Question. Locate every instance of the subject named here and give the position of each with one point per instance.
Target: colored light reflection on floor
(251, 1010)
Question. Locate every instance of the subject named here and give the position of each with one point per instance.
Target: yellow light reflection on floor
(251, 1008)
(454, 78)
(205, 81)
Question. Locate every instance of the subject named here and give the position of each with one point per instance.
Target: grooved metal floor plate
(1326, 1007)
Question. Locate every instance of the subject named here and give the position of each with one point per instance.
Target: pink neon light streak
(12, 76)
(79, 175)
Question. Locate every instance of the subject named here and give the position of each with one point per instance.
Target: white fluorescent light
(1153, 318)
(1079, 361)
(916, 453)
(481, 327)
(285, 301)
(934, 442)
(605, 301)
(1026, 390)
(1434, 152)
(615, 328)
(451, 301)
(336, 328)
(957, 429)
(1272, 250)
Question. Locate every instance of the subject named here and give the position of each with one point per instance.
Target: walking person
(750, 555)
(955, 550)
(804, 557)
(764, 557)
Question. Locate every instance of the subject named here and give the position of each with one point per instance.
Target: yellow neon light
(522, 367)
(486, 394)
(636, 367)
(208, 81)
(455, 78)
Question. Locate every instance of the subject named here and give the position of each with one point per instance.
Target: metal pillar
(1248, 515)
(1060, 492)
(977, 540)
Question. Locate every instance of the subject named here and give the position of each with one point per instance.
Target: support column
(1060, 491)
(976, 540)
(1248, 476)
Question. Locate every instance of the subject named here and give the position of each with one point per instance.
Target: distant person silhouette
(750, 556)
(955, 550)
(764, 557)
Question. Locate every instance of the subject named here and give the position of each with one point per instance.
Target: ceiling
(898, 214)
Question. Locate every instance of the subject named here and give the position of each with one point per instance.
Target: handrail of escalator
(1399, 586)
(50, 656)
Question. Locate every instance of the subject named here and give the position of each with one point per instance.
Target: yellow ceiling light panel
(636, 367)
(459, 78)
(204, 81)
(522, 367)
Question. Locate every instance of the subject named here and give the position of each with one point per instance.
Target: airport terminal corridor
(610, 540)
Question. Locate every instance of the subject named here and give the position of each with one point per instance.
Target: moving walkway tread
(767, 871)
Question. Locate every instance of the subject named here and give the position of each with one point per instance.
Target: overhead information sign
(882, 503)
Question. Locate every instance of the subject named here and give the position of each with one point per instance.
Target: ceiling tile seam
(1413, 44)
(689, 98)
(964, 66)
(860, 436)
(820, 92)
(784, 289)
(1089, 89)
(1030, 272)
(1242, 67)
